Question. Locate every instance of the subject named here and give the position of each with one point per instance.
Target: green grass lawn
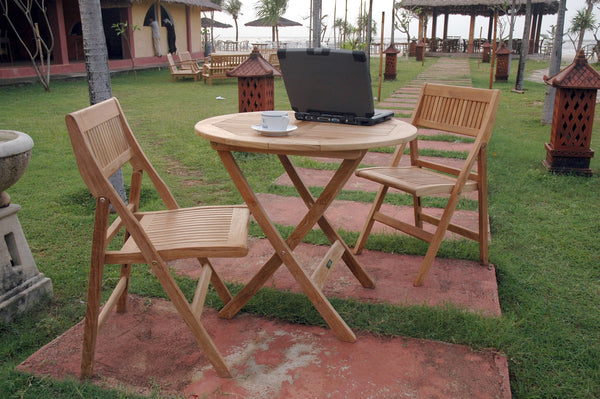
(545, 231)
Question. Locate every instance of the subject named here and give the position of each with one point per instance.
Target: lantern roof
(578, 75)
(503, 50)
(254, 66)
(391, 49)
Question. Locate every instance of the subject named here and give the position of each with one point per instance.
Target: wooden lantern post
(391, 59)
(502, 63)
(486, 52)
(420, 51)
(572, 119)
(256, 83)
(412, 48)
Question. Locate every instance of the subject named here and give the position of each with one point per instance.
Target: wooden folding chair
(183, 69)
(103, 142)
(459, 110)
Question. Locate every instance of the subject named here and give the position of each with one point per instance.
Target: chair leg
(185, 310)
(483, 206)
(122, 303)
(418, 209)
(438, 237)
(483, 228)
(217, 282)
(364, 234)
(90, 329)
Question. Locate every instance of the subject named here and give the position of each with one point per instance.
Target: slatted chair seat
(414, 180)
(188, 233)
(459, 110)
(103, 142)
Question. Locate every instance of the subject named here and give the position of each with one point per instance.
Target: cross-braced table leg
(353, 264)
(284, 248)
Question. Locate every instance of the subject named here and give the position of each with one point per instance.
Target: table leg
(347, 165)
(283, 254)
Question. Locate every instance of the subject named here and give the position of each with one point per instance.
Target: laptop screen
(327, 81)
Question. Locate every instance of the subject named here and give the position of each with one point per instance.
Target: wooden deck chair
(187, 62)
(460, 110)
(183, 70)
(103, 142)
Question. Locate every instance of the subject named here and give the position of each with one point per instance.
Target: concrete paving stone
(149, 349)
(351, 215)
(320, 178)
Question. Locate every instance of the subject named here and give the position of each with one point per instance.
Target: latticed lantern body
(256, 93)
(573, 117)
(420, 51)
(412, 48)
(256, 83)
(391, 59)
(502, 56)
(485, 57)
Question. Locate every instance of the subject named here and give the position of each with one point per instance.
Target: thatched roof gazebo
(486, 8)
(208, 22)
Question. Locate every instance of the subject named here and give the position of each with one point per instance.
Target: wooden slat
(112, 300)
(201, 290)
(402, 226)
(327, 264)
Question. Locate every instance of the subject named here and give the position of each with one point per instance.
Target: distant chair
(458, 110)
(103, 143)
(183, 69)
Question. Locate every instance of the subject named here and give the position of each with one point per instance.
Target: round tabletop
(236, 131)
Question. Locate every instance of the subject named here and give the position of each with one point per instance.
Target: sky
(299, 11)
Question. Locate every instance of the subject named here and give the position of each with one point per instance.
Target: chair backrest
(103, 142)
(172, 64)
(461, 110)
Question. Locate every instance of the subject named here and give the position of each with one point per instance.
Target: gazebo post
(434, 23)
(470, 46)
(537, 34)
(445, 36)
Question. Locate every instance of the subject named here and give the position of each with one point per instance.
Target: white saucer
(273, 133)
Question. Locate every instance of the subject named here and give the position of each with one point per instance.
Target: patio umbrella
(280, 22)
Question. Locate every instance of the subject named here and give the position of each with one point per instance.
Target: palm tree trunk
(94, 48)
(554, 62)
(316, 23)
(524, 48)
(96, 65)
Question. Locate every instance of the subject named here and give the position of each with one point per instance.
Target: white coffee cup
(275, 120)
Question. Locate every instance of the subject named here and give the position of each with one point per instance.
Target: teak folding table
(234, 132)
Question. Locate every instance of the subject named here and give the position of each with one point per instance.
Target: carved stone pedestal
(22, 286)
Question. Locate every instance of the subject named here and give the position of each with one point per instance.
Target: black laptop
(328, 85)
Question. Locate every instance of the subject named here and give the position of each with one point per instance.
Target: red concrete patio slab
(395, 106)
(319, 178)
(409, 89)
(149, 349)
(412, 100)
(400, 102)
(384, 159)
(464, 284)
(351, 215)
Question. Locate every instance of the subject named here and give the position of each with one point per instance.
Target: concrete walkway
(149, 348)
